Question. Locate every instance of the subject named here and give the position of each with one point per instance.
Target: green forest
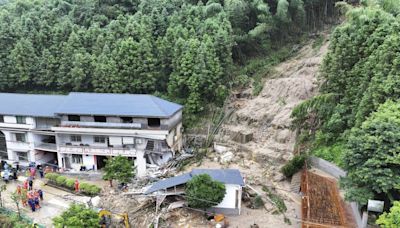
(355, 121)
(186, 51)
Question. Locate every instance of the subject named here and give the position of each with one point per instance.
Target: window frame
(74, 138)
(99, 141)
(22, 135)
(75, 118)
(20, 119)
(100, 119)
(126, 119)
(78, 158)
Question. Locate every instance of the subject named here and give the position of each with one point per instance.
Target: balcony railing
(100, 124)
(112, 125)
(93, 150)
(46, 146)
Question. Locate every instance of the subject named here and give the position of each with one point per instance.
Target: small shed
(231, 178)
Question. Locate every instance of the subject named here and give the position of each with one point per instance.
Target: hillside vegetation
(355, 120)
(184, 50)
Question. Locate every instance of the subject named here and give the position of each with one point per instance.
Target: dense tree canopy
(372, 159)
(204, 192)
(118, 168)
(181, 49)
(77, 215)
(357, 111)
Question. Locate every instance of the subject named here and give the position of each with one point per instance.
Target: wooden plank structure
(321, 203)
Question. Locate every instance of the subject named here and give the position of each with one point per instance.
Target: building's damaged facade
(80, 130)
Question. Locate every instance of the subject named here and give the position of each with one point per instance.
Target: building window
(21, 119)
(127, 119)
(99, 139)
(139, 141)
(77, 159)
(76, 138)
(22, 156)
(102, 119)
(74, 118)
(20, 137)
(153, 122)
(1, 119)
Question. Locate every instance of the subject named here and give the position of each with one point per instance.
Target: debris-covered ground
(257, 140)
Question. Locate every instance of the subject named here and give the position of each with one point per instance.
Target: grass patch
(278, 201)
(294, 165)
(333, 153)
(318, 42)
(257, 202)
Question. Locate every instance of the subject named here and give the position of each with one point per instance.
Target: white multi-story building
(83, 129)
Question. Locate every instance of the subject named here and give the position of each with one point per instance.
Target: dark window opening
(74, 118)
(127, 119)
(21, 120)
(1, 119)
(99, 139)
(102, 119)
(153, 122)
(76, 138)
(20, 137)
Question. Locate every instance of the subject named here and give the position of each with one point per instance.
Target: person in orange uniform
(76, 185)
(24, 197)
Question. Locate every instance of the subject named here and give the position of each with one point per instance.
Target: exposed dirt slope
(267, 116)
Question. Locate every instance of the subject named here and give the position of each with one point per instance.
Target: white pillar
(140, 164)
(31, 156)
(59, 160)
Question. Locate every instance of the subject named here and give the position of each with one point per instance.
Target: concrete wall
(337, 172)
(229, 200)
(327, 167)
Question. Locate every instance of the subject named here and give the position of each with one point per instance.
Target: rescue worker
(31, 203)
(26, 184)
(19, 189)
(40, 194)
(41, 171)
(36, 199)
(76, 185)
(24, 197)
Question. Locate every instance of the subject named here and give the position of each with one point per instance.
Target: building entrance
(101, 161)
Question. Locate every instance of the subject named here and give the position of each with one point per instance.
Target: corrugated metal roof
(106, 104)
(226, 176)
(139, 105)
(29, 104)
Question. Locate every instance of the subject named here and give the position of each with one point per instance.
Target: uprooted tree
(204, 192)
(118, 168)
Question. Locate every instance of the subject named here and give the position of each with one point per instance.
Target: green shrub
(61, 180)
(84, 187)
(257, 202)
(69, 183)
(294, 165)
(52, 176)
(94, 190)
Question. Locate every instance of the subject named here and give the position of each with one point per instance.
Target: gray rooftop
(137, 105)
(108, 104)
(226, 176)
(29, 104)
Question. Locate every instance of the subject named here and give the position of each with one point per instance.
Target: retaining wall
(337, 172)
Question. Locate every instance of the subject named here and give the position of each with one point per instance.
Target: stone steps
(295, 183)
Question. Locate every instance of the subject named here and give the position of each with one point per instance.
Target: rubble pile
(141, 210)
